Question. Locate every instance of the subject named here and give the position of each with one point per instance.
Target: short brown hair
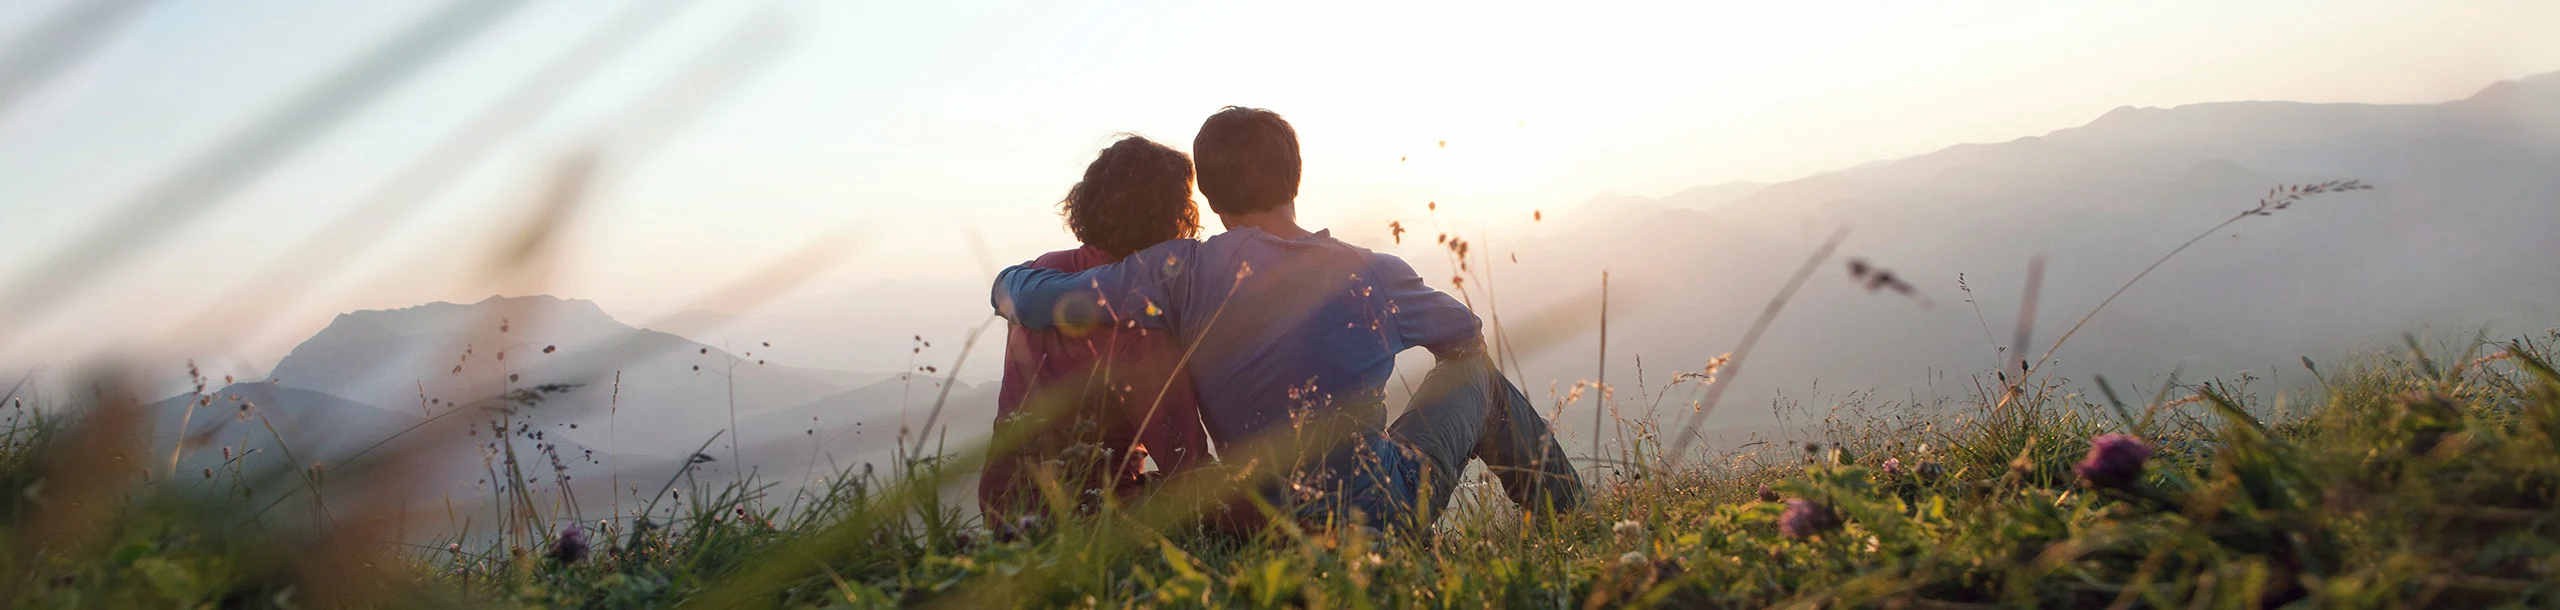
(1137, 193)
(1248, 160)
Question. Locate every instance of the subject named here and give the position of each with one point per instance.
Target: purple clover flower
(2115, 461)
(571, 546)
(1806, 518)
(1767, 494)
(1892, 466)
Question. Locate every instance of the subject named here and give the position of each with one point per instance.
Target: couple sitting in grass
(1278, 340)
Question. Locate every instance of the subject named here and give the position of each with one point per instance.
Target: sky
(927, 141)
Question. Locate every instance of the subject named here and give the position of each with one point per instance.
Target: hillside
(2452, 241)
(669, 387)
(318, 426)
(864, 425)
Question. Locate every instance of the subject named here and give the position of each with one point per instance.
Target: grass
(2409, 482)
(2402, 479)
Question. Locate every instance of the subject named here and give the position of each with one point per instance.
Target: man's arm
(1132, 289)
(1422, 315)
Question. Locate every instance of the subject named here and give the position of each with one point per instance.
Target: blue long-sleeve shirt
(1273, 325)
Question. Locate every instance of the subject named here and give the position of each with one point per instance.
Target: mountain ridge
(2459, 210)
(448, 353)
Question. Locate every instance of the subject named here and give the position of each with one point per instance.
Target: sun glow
(1497, 165)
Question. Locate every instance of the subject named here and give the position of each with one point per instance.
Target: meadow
(2422, 476)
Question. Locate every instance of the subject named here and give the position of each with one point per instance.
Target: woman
(1089, 404)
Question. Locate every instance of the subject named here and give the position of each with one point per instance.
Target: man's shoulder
(1250, 244)
(1241, 239)
(1387, 266)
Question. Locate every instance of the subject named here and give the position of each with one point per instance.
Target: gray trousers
(1466, 409)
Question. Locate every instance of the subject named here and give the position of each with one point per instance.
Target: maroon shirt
(1109, 375)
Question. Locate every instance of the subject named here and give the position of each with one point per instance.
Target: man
(1291, 336)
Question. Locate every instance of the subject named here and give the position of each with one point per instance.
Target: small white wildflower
(1628, 529)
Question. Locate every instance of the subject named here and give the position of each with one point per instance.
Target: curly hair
(1248, 160)
(1136, 194)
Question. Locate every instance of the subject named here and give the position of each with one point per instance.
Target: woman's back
(1089, 396)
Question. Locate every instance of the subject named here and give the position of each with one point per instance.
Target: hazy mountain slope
(317, 426)
(666, 389)
(2457, 236)
(1711, 196)
(872, 326)
(606, 438)
(857, 425)
(886, 400)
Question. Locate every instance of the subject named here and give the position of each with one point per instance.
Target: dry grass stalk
(1750, 339)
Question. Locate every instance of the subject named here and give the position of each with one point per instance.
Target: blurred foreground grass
(2405, 481)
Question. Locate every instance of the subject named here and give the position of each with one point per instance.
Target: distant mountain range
(2458, 235)
(1693, 198)
(638, 397)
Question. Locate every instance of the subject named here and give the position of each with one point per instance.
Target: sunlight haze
(889, 127)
